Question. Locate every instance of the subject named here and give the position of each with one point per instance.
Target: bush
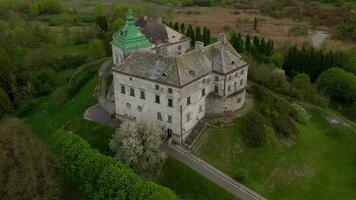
(97, 176)
(255, 133)
(68, 61)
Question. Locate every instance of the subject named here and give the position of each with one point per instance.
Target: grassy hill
(320, 163)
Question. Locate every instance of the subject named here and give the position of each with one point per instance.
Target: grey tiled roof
(182, 69)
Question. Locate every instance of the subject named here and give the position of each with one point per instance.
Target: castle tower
(128, 39)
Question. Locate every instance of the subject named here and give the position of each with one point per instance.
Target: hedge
(97, 176)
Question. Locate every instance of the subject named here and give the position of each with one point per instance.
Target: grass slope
(190, 185)
(50, 116)
(321, 164)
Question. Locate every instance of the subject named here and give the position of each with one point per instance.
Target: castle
(159, 78)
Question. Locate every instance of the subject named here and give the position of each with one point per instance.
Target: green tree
(25, 169)
(138, 147)
(5, 104)
(340, 85)
(255, 24)
(198, 36)
(102, 23)
(176, 26)
(97, 176)
(182, 28)
(247, 42)
(7, 76)
(96, 49)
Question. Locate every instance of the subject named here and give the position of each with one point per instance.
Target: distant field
(320, 163)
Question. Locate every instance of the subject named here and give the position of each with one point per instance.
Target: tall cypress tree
(233, 40)
(198, 34)
(170, 24)
(176, 26)
(182, 28)
(208, 36)
(247, 42)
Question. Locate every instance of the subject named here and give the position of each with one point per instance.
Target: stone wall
(217, 105)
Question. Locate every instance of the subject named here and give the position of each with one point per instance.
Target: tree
(176, 26)
(25, 169)
(5, 103)
(255, 24)
(97, 176)
(96, 49)
(198, 36)
(247, 42)
(340, 85)
(7, 77)
(302, 82)
(182, 28)
(102, 23)
(137, 145)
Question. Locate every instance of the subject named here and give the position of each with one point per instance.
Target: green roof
(130, 36)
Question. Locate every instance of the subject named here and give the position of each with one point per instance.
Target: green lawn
(190, 185)
(320, 164)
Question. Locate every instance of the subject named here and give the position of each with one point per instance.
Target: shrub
(255, 133)
(97, 176)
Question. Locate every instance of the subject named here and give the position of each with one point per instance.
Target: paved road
(211, 173)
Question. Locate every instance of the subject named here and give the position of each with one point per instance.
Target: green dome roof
(130, 36)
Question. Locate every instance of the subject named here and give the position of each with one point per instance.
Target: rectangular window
(216, 89)
(159, 116)
(242, 72)
(236, 74)
(235, 85)
(203, 92)
(188, 117)
(230, 77)
(170, 103)
(123, 89)
(156, 87)
(169, 119)
(229, 88)
(170, 91)
(132, 92)
(200, 108)
(239, 100)
(157, 100)
(216, 78)
(188, 100)
(143, 94)
(203, 80)
(241, 81)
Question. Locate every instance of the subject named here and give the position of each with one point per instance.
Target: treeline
(97, 176)
(311, 61)
(195, 34)
(260, 49)
(205, 3)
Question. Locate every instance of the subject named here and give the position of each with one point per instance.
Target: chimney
(199, 46)
(222, 38)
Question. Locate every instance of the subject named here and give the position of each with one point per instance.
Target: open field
(220, 19)
(319, 164)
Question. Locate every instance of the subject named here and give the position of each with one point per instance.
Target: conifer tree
(208, 36)
(198, 34)
(176, 26)
(247, 42)
(182, 28)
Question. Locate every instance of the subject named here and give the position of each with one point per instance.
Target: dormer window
(232, 62)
